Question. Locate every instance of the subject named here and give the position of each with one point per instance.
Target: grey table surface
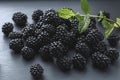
(14, 67)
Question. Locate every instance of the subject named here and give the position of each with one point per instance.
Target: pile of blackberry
(53, 38)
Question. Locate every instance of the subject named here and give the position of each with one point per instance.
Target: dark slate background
(13, 67)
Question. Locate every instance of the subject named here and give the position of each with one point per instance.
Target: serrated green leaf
(117, 24)
(85, 6)
(108, 28)
(65, 13)
(79, 17)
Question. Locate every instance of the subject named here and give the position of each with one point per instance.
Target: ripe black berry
(14, 35)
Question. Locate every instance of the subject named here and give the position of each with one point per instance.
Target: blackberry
(36, 70)
(14, 35)
(16, 44)
(100, 61)
(79, 62)
(83, 49)
(113, 40)
(57, 49)
(32, 42)
(93, 37)
(27, 53)
(45, 53)
(43, 38)
(64, 63)
(20, 19)
(27, 32)
(36, 15)
(7, 28)
(113, 54)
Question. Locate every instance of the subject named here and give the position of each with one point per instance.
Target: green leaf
(83, 25)
(65, 13)
(101, 16)
(108, 28)
(117, 24)
(85, 6)
(79, 17)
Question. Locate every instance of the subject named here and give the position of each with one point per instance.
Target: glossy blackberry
(57, 49)
(7, 28)
(32, 42)
(49, 28)
(94, 36)
(64, 63)
(20, 19)
(113, 54)
(36, 15)
(100, 61)
(27, 32)
(83, 49)
(36, 70)
(14, 35)
(43, 38)
(79, 62)
(45, 53)
(16, 44)
(27, 53)
(51, 17)
(113, 40)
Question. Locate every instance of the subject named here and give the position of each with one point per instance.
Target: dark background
(14, 67)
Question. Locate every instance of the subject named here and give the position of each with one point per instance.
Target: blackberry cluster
(7, 28)
(20, 19)
(53, 38)
(36, 70)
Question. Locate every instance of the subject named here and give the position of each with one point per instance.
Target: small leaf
(108, 28)
(117, 24)
(79, 17)
(85, 6)
(101, 16)
(65, 13)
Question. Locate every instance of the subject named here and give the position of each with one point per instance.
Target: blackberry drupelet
(57, 49)
(81, 39)
(7, 28)
(14, 35)
(83, 49)
(27, 32)
(43, 38)
(79, 62)
(16, 44)
(36, 70)
(27, 53)
(113, 54)
(20, 19)
(36, 15)
(64, 63)
(93, 37)
(38, 25)
(100, 61)
(45, 53)
(32, 42)
(113, 40)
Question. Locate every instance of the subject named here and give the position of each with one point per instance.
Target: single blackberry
(27, 53)
(93, 37)
(83, 49)
(27, 32)
(101, 47)
(32, 42)
(57, 49)
(7, 28)
(36, 15)
(43, 38)
(36, 70)
(100, 61)
(79, 62)
(64, 63)
(14, 35)
(16, 44)
(20, 19)
(45, 53)
(113, 54)
(113, 40)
